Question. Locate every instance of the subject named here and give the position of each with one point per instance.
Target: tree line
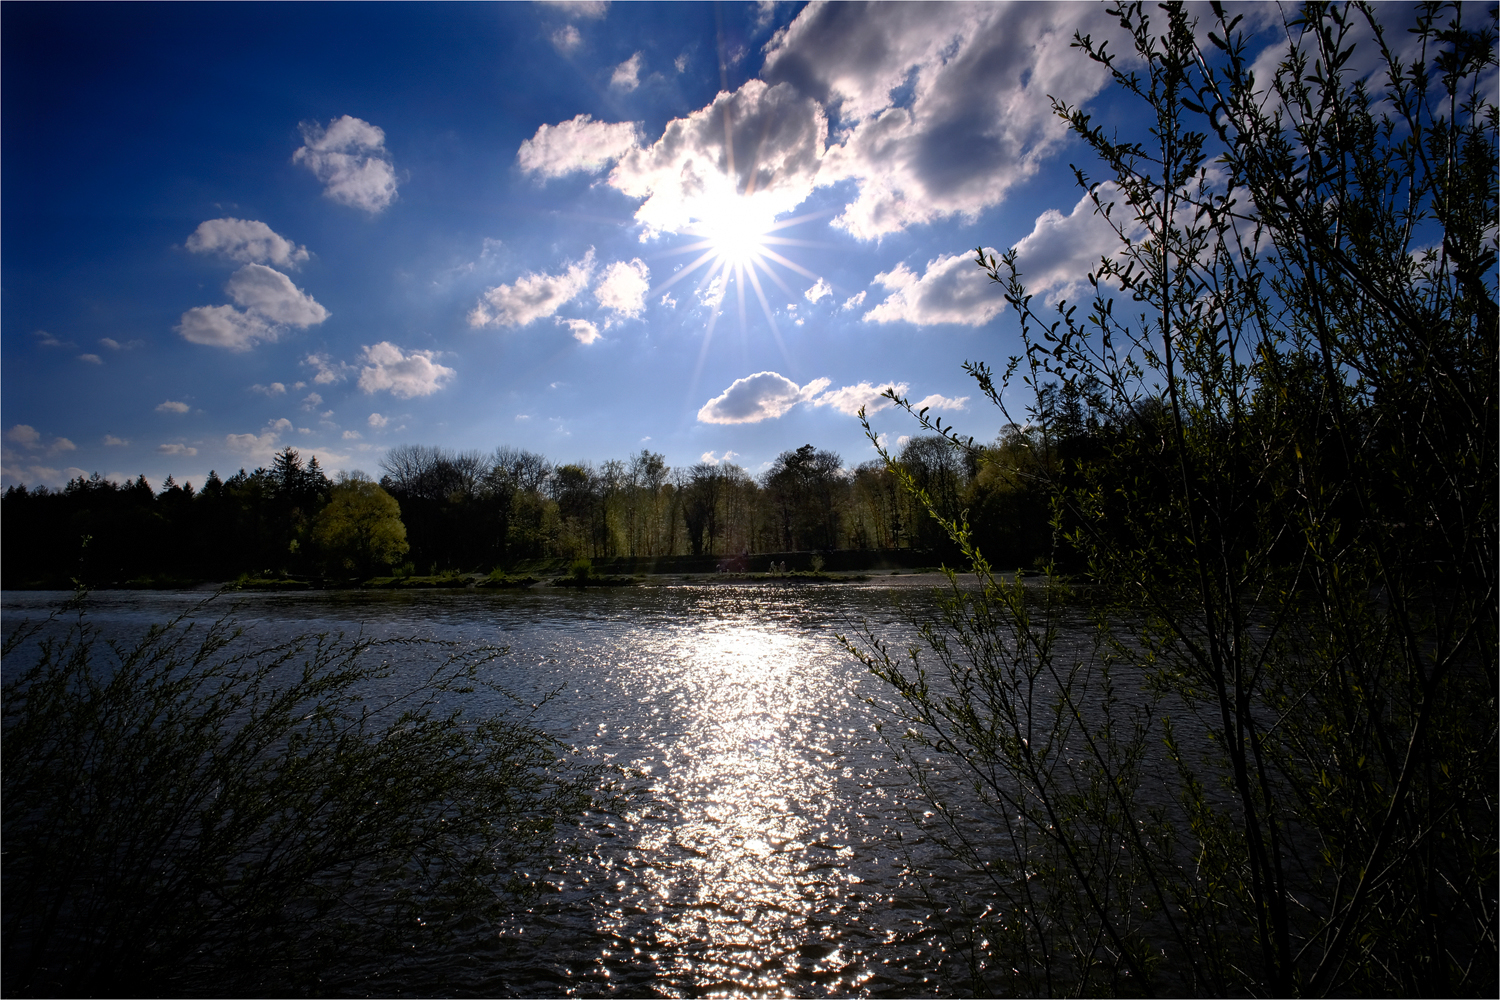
(437, 510)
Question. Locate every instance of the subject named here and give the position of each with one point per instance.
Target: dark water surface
(761, 859)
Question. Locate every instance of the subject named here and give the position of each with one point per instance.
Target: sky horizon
(711, 231)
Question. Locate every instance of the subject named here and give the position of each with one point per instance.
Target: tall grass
(199, 812)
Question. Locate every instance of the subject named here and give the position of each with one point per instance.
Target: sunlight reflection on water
(762, 858)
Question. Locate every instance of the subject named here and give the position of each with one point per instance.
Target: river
(762, 855)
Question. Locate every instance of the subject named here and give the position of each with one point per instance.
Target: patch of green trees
(1249, 744)
(438, 510)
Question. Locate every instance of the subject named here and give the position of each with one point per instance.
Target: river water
(774, 845)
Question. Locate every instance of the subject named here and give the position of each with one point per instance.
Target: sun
(735, 230)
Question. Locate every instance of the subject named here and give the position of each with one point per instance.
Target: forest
(438, 511)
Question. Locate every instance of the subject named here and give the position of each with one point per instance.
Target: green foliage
(1256, 752)
(195, 812)
(360, 530)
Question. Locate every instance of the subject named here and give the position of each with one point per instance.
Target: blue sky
(235, 227)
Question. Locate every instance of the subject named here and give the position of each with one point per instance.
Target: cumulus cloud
(951, 290)
(533, 296)
(350, 159)
(403, 375)
(1061, 249)
(711, 459)
(376, 420)
(583, 331)
(622, 290)
(45, 339)
(257, 447)
(312, 401)
(762, 396)
(591, 10)
(92, 359)
(274, 389)
(247, 241)
(225, 326)
(940, 402)
(566, 39)
(854, 301)
(172, 406)
(271, 303)
(686, 178)
(110, 441)
(352, 435)
(820, 289)
(271, 295)
(943, 109)
(329, 371)
(581, 144)
(851, 398)
(24, 435)
(627, 75)
(61, 444)
(176, 449)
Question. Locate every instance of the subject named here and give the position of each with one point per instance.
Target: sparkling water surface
(770, 850)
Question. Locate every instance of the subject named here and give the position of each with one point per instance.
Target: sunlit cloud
(627, 75)
(852, 398)
(952, 289)
(820, 289)
(172, 406)
(404, 375)
(580, 145)
(762, 396)
(532, 296)
(246, 241)
(350, 159)
(583, 331)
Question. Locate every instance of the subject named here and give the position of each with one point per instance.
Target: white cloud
(312, 401)
(274, 389)
(376, 420)
(533, 296)
(271, 303)
(952, 290)
(820, 289)
(247, 241)
(712, 294)
(623, 288)
(709, 457)
(24, 435)
(566, 39)
(681, 63)
(581, 144)
(279, 425)
(627, 75)
(176, 449)
(225, 326)
(350, 159)
(115, 345)
(257, 447)
(45, 339)
(92, 359)
(352, 435)
(271, 295)
(404, 375)
(762, 396)
(61, 444)
(854, 301)
(850, 398)
(668, 301)
(329, 370)
(940, 402)
(591, 10)
(1061, 249)
(777, 136)
(945, 108)
(171, 406)
(583, 331)
(110, 441)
